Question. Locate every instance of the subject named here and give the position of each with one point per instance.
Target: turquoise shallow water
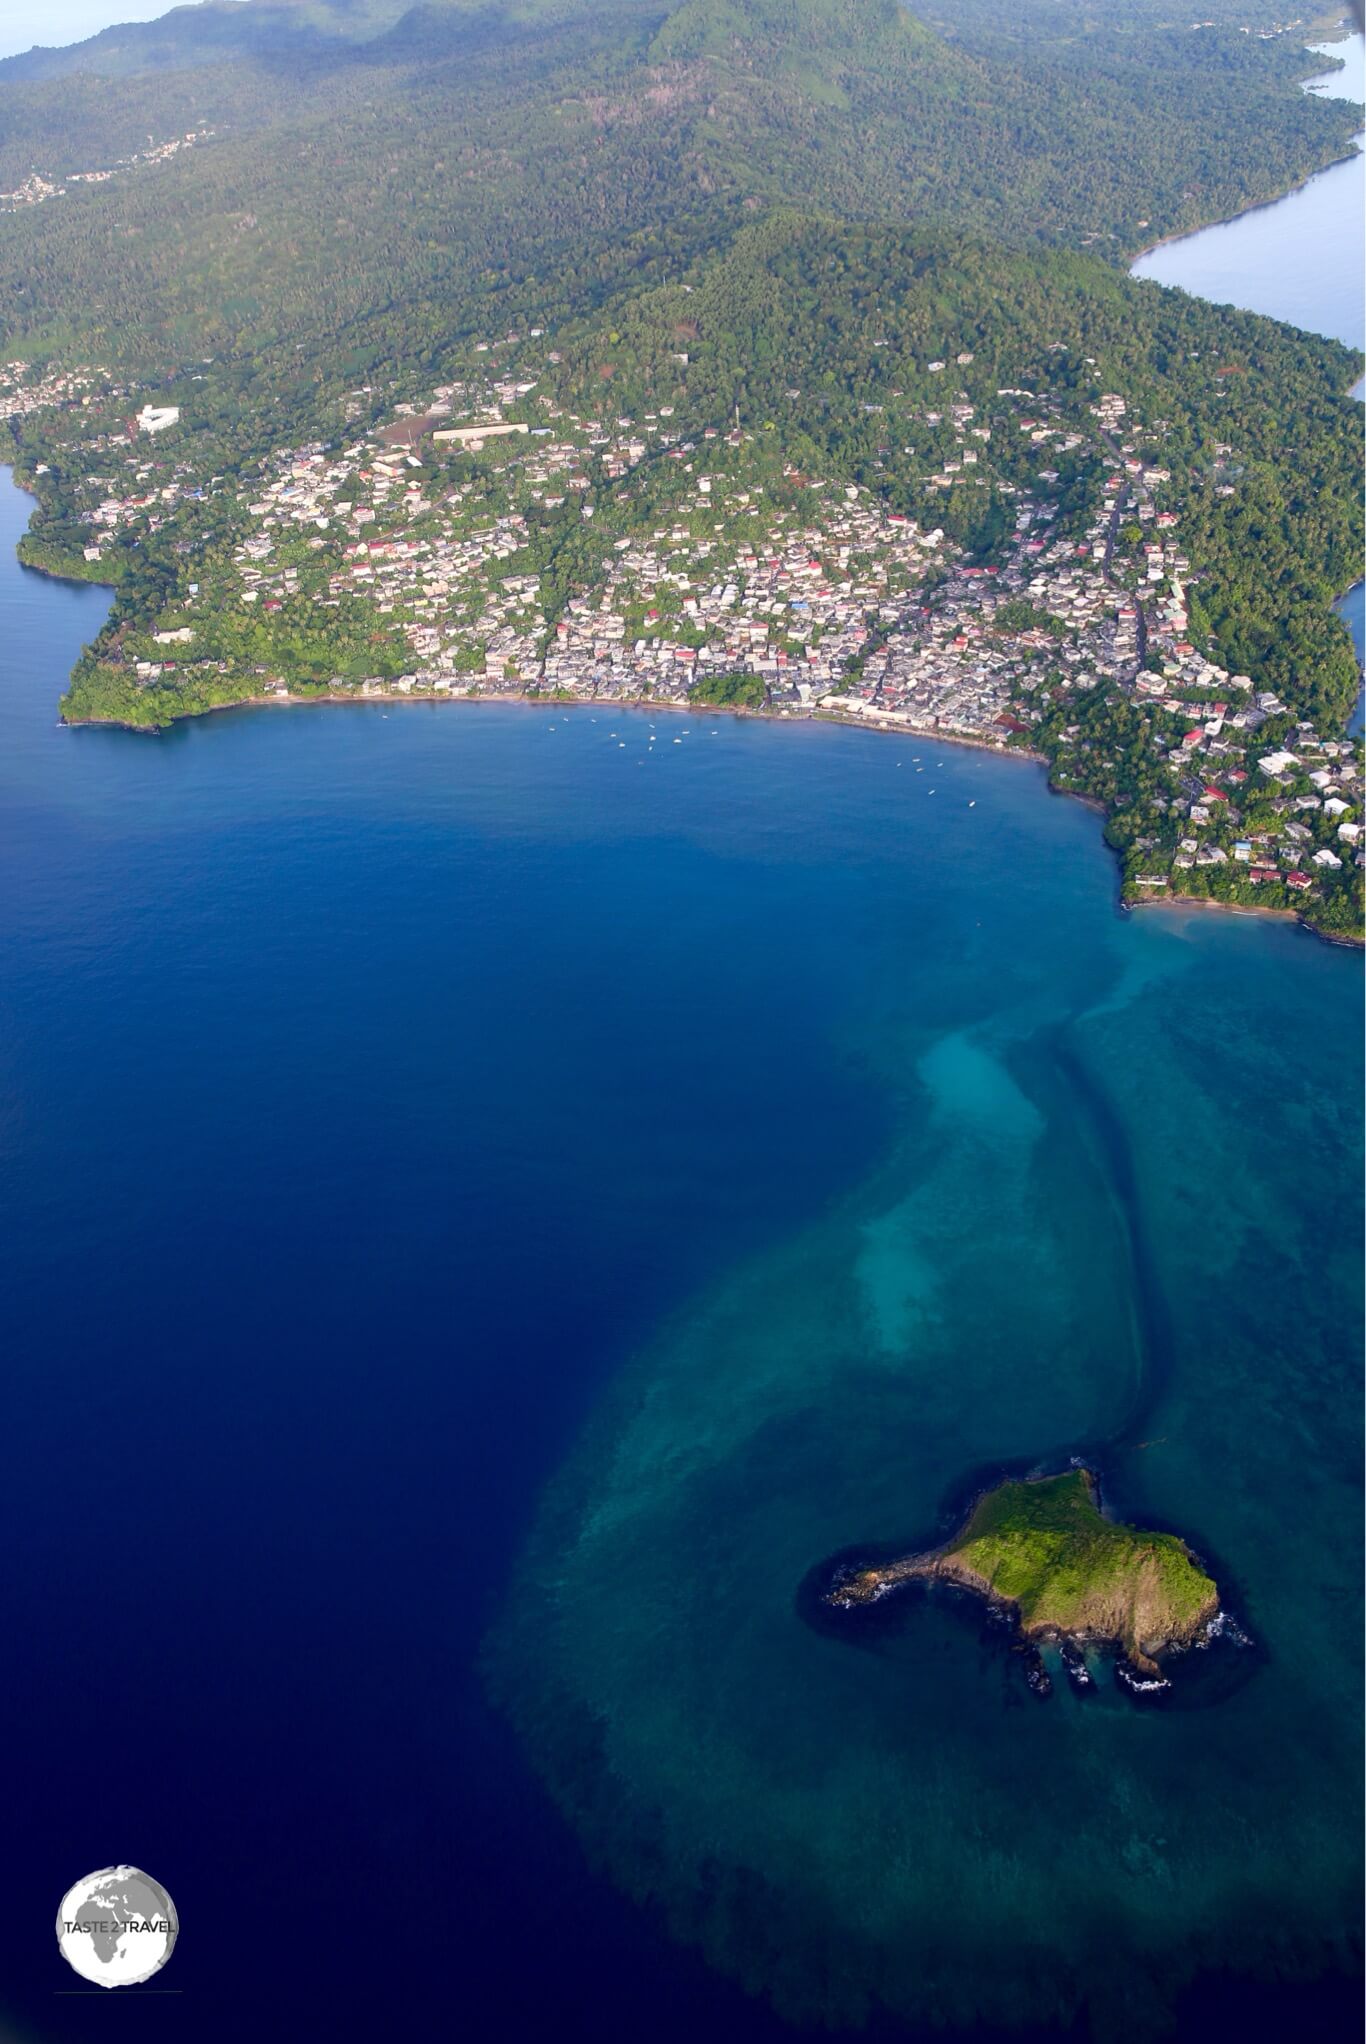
(1116, 1201)
(1116, 1207)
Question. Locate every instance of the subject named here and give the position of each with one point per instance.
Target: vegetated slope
(821, 332)
(816, 335)
(347, 173)
(1042, 1545)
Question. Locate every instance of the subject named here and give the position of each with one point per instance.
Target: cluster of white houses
(25, 388)
(819, 597)
(37, 188)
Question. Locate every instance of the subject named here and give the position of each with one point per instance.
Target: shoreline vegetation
(1352, 155)
(1039, 1550)
(1340, 31)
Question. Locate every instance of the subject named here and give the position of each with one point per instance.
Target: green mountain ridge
(881, 28)
(353, 172)
(209, 32)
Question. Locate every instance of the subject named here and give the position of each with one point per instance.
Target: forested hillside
(341, 174)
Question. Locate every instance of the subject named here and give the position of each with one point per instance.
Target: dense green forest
(462, 148)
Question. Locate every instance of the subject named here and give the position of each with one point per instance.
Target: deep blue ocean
(491, 1197)
(368, 1088)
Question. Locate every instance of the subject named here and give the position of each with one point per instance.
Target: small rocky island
(1040, 1549)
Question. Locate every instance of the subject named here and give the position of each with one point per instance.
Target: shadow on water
(1204, 1675)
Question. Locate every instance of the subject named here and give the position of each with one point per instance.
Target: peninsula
(1041, 1548)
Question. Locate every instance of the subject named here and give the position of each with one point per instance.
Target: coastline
(640, 705)
(60, 575)
(431, 697)
(848, 721)
(1227, 219)
(1245, 908)
(24, 484)
(1342, 33)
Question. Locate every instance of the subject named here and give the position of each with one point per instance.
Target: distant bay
(1301, 259)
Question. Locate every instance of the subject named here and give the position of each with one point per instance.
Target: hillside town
(38, 187)
(26, 389)
(407, 558)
